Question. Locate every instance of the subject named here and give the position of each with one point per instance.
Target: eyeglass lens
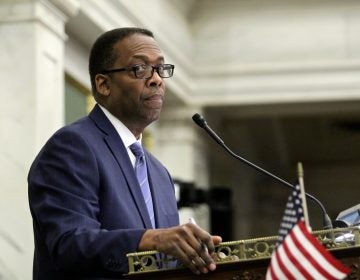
(146, 71)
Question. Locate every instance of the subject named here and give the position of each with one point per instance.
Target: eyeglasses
(143, 71)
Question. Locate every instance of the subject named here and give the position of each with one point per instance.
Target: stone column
(179, 145)
(32, 89)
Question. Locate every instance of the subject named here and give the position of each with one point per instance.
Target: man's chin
(153, 116)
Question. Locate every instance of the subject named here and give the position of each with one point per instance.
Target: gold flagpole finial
(300, 170)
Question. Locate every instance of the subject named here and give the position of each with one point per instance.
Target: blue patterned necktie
(141, 174)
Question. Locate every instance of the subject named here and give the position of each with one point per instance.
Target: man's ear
(102, 84)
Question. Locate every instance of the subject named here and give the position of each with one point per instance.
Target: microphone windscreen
(199, 120)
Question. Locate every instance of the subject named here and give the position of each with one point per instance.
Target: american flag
(299, 255)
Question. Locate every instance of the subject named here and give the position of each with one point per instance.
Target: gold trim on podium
(243, 250)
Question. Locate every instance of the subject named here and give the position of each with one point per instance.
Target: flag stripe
(304, 265)
(310, 260)
(293, 262)
(279, 270)
(321, 255)
(276, 271)
(282, 266)
(270, 274)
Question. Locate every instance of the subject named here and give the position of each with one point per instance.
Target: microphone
(200, 121)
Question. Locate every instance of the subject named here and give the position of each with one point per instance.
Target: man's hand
(188, 243)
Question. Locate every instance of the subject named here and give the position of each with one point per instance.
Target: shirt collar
(125, 134)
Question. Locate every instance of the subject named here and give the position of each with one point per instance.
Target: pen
(192, 220)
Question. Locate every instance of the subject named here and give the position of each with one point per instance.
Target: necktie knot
(137, 150)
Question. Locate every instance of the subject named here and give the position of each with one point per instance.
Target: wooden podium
(248, 259)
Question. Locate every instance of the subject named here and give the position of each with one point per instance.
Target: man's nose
(155, 79)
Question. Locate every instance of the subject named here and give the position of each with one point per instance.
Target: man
(85, 196)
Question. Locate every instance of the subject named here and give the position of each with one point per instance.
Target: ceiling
(330, 136)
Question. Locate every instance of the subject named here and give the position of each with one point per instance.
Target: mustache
(157, 91)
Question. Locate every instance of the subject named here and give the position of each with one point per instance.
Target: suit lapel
(115, 144)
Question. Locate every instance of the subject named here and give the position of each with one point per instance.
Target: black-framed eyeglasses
(144, 71)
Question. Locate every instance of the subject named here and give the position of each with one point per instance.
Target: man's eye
(140, 67)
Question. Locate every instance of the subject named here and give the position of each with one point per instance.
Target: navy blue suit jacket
(87, 207)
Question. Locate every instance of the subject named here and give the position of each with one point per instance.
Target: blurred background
(279, 81)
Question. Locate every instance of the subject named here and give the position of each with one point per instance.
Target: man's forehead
(139, 42)
(138, 46)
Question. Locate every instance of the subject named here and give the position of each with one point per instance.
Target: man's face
(136, 102)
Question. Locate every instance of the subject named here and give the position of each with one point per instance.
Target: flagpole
(300, 172)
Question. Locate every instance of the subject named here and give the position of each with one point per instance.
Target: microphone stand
(200, 121)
